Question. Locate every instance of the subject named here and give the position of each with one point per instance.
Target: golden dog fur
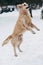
(23, 24)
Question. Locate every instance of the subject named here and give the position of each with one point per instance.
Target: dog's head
(23, 6)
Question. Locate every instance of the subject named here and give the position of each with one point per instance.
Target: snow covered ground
(32, 44)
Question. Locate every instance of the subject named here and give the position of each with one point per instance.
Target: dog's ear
(19, 6)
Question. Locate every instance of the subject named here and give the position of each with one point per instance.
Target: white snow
(32, 44)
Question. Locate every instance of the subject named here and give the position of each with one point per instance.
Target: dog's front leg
(28, 28)
(32, 25)
(32, 31)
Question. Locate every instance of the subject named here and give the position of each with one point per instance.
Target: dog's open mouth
(27, 7)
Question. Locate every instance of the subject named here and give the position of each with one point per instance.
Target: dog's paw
(38, 29)
(20, 50)
(15, 55)
(34, 33)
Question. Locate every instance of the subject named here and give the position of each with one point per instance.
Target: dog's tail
(7, 40)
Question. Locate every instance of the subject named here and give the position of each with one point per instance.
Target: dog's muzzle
(27, 7)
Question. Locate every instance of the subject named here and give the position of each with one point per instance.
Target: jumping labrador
(24, 23)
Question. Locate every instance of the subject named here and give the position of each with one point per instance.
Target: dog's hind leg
(15, 51)
(20, 41)
(14, 47)
(19, 47)
(33, 26)
(14, 44)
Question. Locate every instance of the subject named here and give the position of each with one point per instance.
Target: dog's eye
(24, 4)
